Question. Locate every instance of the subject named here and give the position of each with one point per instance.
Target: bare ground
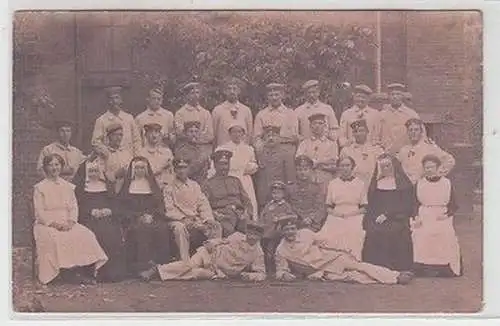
(463, 294)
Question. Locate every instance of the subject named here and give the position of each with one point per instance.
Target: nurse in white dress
(346, 202)
(61, 242)
(243, 162)
(436, 251)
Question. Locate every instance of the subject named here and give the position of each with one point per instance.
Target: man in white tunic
(313, 106)
(320, 149)
(360, 111)
(188, 210)
(393, 118)
(156, 113)
(115, 114)
(159, 156)
(302, 253)
(231, 112)
(117, 157)
(193, 111)
(363, 153)
(240, 255)
(411, 155)
(72, 156)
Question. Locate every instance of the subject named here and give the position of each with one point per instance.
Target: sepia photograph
(247, 161)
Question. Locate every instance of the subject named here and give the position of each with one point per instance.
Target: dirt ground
(461, 294)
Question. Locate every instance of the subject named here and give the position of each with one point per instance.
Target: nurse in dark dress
(97, 211)
(148, 234)
(387, 221)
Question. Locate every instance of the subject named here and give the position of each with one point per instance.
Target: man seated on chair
(238, 256)
(188, 210)
(230, 203)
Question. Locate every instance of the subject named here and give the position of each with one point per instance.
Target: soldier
(71, 155)
(231, 112)
(230, 203)
(117, 157)
(306, 196)
(156, 113)
(360, 111)
(363, 152)
(159, 156)
(188, 210)
(393, 118)
(115, 114)
(273, 165)
(322, 151)
(193, 111)
(411, 155)
(313, 106)
(188, 148)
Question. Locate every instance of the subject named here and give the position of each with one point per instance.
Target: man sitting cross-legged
(239, 255)
(303, 253)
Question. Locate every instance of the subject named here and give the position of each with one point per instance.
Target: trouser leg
(181, 236)
(381, 274)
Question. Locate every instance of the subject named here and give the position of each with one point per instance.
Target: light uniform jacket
(131, 136)
(372, 118)
(307, 109)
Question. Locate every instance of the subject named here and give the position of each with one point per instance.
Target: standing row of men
(277, 134)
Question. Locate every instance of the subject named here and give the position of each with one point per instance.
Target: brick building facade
(72, 56)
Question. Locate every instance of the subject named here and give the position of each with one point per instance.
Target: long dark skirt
(393, 250)
(147, 244)
(109, 235)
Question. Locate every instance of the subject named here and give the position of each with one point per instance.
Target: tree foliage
(209, 47)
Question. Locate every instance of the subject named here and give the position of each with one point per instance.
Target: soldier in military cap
(322, 150)
(193, 111)
(360, 111)
(189, 149)
(237, 256)
(393, 118)
(230, 203)
(231, 112)
(274, 164)
(131, 139)
(117, 157)
(188, 211)
(155, 113)
(306, 196)
(363, 152)
(411, 155)
(71, 155)
(276, 209)
(159, 156)
(314, 106)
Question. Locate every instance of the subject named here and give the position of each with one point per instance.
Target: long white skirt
(435, 242)
(344, 234)
(57, 249)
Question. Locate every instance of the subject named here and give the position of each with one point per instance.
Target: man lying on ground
(303, 253)
(239, 255)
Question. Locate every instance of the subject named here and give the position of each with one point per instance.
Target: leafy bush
(208, 47)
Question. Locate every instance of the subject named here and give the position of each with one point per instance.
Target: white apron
(435, 241)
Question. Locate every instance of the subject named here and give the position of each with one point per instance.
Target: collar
(178, 182)
(313, 105)
(62, 147)
(189, 107)
(112, 116)
(279, 108)
(152, 112)
(153, 150)
(321, 138)
(114, 150)
(56, 181)
(230, 105)
(278, 202)
(347, 179)
(358, 109)
(433, 179)
(401, 108)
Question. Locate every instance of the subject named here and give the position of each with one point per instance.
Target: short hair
(343, 157)
(49, 158)
(431, 158)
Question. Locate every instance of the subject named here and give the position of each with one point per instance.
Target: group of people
(209, 195)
